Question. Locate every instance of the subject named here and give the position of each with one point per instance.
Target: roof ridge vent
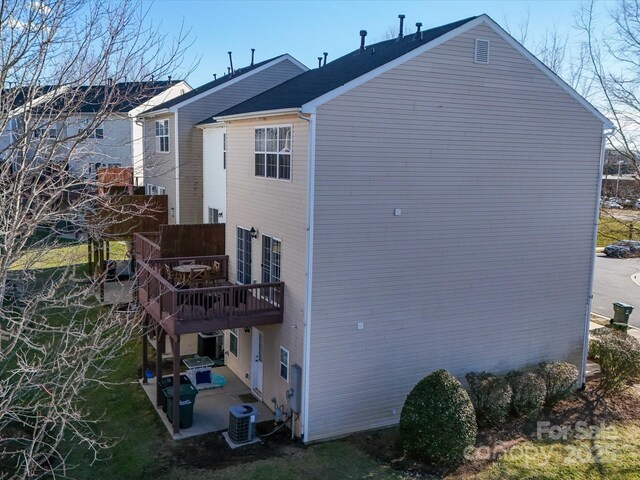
(482, 51)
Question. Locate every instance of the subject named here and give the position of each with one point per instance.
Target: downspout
(306, 353)
(585, 344)
(177, 212)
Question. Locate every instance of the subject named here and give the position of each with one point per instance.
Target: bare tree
(614, 62)
(56, 58)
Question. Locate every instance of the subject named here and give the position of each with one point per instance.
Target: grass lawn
(613, 454)
(129, 419)
(612, 229)
(332, 460)
(73, 254)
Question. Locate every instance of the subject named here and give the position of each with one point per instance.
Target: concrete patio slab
(211, 409)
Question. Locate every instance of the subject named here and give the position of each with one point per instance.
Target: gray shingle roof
(314, 83)
(208, 86)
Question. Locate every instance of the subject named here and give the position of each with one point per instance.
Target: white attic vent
(482, 51)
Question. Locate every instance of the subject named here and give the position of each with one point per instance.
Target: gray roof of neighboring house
(314, 83)
(123, 97)
(213, 84)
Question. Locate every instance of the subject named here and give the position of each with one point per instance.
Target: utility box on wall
(294, 396)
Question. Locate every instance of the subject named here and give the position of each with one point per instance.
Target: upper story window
(273, 152)
(97, 133)
(45, 132)
(162, 136)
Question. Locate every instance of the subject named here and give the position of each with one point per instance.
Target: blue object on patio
(218, 380)
(148, 373)
(203, 376)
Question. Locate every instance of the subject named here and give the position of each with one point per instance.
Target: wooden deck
(220, 305)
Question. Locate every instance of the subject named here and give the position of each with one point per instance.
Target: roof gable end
(217, 85)
(311, 106)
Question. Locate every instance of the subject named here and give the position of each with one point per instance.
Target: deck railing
(182, 308)
(146, 245)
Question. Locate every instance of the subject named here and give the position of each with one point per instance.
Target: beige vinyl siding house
(446, 220)
(275, 208)
(186, 173)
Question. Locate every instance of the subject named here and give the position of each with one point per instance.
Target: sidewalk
(599, 321)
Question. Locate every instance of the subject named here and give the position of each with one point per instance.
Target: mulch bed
(212, 451)
(586, 406)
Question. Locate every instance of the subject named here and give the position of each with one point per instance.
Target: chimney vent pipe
(363, 33)
(230, 62)
(324, 62)
(400, 32)
(253, 51)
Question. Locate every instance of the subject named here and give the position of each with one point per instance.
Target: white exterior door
(257, 350)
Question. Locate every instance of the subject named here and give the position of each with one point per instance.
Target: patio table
(198, 362)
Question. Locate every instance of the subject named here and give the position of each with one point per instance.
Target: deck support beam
(145, 341)
(175, 347)
(159, 352)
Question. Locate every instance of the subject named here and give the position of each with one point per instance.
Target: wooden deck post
(176, 384)
(159, 351)
(145, 340)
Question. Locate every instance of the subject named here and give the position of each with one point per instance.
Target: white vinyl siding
(190, 143)
(494, 168)
(252, 202)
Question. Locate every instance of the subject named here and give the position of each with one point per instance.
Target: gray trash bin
(621, 312)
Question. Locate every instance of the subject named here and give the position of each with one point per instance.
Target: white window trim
(152, 189)
(164, 124)
(248, 229)
(264, 127)
(262, 263)
(234, 332)
(281, 364)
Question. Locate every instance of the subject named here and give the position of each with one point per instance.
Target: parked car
(632, 245)
(617, 251)
(611, 204)
(622, 249)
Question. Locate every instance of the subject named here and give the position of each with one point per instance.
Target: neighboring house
(412, 195)
(173, 157)
(115, 140)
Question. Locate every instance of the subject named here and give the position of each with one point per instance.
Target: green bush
(560, 380)
(438, 422)
(491, 397)
(618, 355)
(529, 392)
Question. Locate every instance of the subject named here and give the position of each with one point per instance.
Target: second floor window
(97, 133)
(273, 152)
(162, 136)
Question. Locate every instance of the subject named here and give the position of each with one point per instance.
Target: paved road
(612, 283)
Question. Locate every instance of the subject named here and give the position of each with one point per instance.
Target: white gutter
(177, 212)
(263, 113)
(155, 113)
(306, 351)
(585, 342)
